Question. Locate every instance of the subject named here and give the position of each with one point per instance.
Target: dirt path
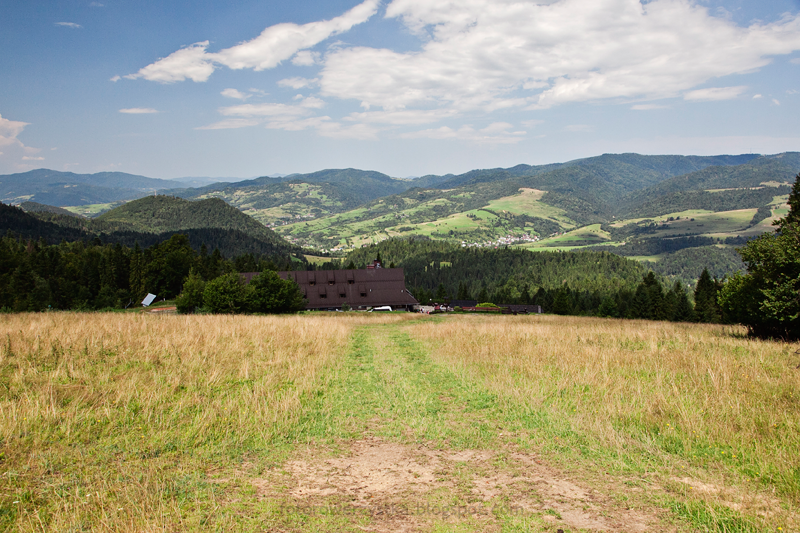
(400, 444)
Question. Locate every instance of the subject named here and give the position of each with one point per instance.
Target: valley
(644, 207)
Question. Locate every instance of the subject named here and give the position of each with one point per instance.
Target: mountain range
(636, 205)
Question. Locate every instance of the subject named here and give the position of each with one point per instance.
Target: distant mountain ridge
(61, 189)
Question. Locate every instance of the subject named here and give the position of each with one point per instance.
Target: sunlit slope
(474, 214)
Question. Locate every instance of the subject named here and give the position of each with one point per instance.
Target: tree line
(86, 275)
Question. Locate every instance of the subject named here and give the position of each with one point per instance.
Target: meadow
(365, 422)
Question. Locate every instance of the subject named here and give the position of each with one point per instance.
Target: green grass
(92, 210)
(199, 423)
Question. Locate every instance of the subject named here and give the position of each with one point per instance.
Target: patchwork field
(445, 215)
(356, 422)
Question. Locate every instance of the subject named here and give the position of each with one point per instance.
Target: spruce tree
(706, 308)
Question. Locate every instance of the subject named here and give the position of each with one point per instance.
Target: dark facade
(371, 287)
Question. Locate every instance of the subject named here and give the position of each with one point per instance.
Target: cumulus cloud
(776, 101)
(9, 129)
(487, 54)
(233, 93)
(69, 25)
(275, 44)
(757, 97)
(297, 83)
(12, 148)
(190, 62)
(306, 58)
(714, 93)
(138, 111)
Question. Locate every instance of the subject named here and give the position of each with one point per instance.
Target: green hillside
(34, 207)
(277, 201)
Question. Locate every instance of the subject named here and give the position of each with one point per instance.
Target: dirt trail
(415, 484)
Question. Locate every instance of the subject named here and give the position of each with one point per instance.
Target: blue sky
(405, 87)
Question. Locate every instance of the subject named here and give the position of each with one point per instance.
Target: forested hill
(505, 272)
(157, 214)
(230, 240)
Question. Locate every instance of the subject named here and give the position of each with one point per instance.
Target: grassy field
(395, 422)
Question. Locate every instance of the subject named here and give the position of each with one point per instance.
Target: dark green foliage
(705, 299)
(191, 297)
(688, 264)
(711, 201)
(763, 213)
(441, 293)
(35, 276)
(235, 235)
(793, 217)
(168, 264)
(767, 298)
(159, 214)
(682, 310)
(226, 294)
(268, 293)
(34, 207)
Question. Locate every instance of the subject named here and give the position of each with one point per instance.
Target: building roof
(359, 288)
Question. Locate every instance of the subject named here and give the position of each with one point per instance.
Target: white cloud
(231, 123)
(190, 62)
(297, 83)
(647, 107)
(776, 102)
(496, 133)
(96, 4)
(275, 44)
(306, 58)
(401, 117)
(233, 93)
(795, 61)
(263, 110)
(792, 91)
(69, 25)
(757, 97)
(13, 148)
(714, 94)
(115, 79)
(485, 54)
(138, 111)
(9, 129)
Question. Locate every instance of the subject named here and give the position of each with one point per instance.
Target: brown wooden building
(360, 289)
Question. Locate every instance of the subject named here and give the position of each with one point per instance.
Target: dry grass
(108, 421)
(688, 401)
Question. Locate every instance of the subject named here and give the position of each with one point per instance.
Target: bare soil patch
(408, 487)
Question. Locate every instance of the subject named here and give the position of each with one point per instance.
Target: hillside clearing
(355, 422)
